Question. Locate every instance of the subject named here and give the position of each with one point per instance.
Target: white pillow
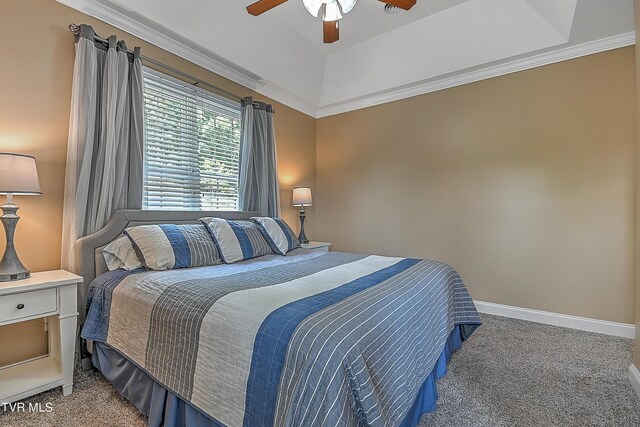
(120, 254)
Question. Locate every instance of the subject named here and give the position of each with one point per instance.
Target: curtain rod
(75, 29)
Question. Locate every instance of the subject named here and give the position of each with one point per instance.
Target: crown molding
(285, 97)
(144, 28)
(114, 14)
(558, 55)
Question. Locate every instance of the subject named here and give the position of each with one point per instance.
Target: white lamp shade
(302, 196)
(18, 174)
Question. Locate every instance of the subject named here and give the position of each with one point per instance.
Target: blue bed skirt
(166, 409)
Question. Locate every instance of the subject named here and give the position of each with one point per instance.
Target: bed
(306, 339)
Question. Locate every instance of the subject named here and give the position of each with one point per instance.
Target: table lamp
(18, 176)
(302, 197)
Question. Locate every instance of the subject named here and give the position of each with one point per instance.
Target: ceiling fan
(332, 11)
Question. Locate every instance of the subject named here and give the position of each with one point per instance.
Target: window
(192, 146)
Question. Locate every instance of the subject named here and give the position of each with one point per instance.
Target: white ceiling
(379, 57)
(369, 21)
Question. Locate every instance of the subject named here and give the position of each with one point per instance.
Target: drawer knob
(20, 306)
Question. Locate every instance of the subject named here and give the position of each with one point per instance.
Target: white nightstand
(51, 295)
(317, 246)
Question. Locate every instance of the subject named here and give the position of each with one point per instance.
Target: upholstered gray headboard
(89, 262)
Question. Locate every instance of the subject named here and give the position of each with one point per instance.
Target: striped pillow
(237, 240)
(278, 233)
(169, 246)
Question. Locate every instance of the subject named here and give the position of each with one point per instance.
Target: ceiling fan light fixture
(333, 9)
(313, 6)
(347, 5)
(331, 12)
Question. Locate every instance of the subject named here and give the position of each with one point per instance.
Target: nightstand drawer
(27, 304)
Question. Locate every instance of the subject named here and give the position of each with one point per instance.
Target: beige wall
(524, 183)
(31, 337)
(35, 95)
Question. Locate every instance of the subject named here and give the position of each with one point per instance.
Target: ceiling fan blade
(402, 4)
(262, 6)
(330, 31)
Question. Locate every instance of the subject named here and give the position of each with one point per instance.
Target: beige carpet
(510, 373)
(93, 403)
(517, 373)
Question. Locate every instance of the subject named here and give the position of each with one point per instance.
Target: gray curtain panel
(104, 155)
(258, 169)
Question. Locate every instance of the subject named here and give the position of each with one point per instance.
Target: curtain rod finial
(75, 29)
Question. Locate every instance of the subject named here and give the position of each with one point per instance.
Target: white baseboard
(634, 379)
(556, 319)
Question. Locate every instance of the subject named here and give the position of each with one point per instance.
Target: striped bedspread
(308, 339)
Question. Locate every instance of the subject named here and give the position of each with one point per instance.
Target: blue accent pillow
(169, 246)
(237, 240)
(278, 233)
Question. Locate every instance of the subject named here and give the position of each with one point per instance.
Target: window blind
(192, 146)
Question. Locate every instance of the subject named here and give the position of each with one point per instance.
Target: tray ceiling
(379, 57)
